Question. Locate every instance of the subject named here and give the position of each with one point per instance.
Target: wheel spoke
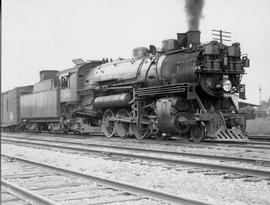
(141, 131)
(107, 125)
(122, 128)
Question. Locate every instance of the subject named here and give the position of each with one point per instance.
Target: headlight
(226, 85)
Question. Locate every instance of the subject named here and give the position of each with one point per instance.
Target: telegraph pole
(220, 34)
(260, 91)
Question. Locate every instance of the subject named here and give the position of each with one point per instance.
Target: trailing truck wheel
(122, 128)
(107, 124)
(197, 133)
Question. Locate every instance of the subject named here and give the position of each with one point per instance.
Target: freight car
(182, 90)
(10, 107)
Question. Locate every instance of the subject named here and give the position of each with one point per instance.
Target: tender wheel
(107, 124)
(122, 128)
(197, 133)
(50, 127)
(141, 131)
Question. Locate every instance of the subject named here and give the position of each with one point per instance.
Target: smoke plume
(194, 13)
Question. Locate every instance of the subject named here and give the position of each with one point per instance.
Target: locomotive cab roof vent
(78, 61)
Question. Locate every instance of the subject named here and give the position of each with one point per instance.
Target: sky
(48, 34)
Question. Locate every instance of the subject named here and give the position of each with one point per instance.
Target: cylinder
(118, 100)
(168, 118)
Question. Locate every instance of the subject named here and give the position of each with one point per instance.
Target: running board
(229, 135)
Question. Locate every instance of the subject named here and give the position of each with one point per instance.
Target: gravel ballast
(174, 179)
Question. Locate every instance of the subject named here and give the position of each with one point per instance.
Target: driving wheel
(140, 130)
(122, 128)
(107, 124)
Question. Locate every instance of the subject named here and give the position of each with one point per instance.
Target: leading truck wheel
(197, 133)
(107, 124)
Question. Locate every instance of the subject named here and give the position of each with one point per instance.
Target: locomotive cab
(76, 102)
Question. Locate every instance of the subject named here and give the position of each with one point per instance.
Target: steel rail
(259, 137)
(211, 166)
(27, 195)
(259, 143)
(151, 151)
(251, 145)
(165, 142)
(154, 194)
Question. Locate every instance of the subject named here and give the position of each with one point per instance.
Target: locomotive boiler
(184, 89)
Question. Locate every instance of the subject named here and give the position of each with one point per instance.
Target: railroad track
(40, 183)
(255, 138)
(13, 194)
(155, 155)
(114, 149)
(259, 137)
(249, 145)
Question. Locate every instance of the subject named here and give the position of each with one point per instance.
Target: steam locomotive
(186, 89)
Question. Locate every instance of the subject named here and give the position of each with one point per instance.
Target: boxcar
(10, 106)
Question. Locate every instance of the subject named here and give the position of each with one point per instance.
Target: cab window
(65, 81)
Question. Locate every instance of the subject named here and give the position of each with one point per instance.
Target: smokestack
(194, 13)
(193, 38)
(189, 39)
